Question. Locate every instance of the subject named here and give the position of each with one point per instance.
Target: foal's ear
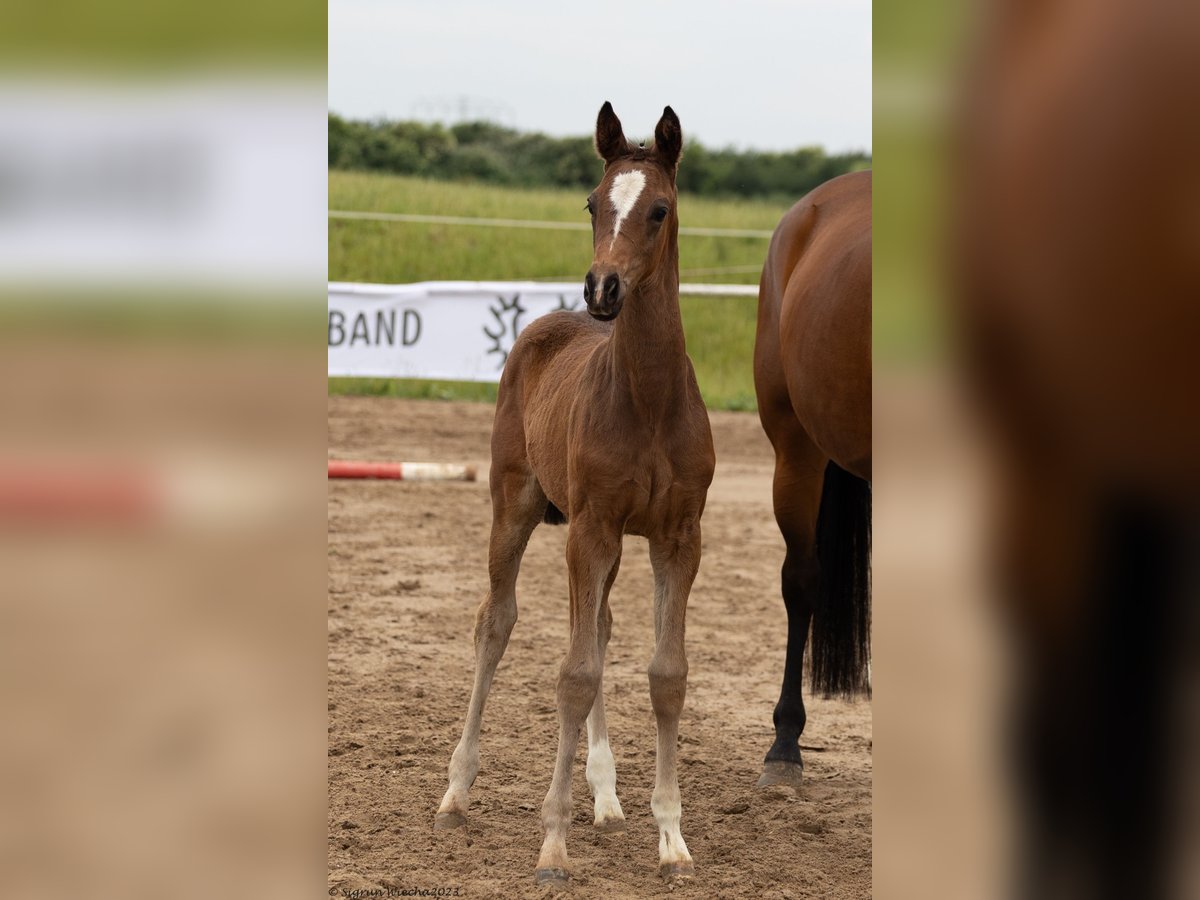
(668, 138)
(610, 138)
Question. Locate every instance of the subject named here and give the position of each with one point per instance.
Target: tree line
(494, 154)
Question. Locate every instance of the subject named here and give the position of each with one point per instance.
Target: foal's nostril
(589, 287)
(612, 285)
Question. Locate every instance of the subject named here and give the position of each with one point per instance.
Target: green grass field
(720, 330)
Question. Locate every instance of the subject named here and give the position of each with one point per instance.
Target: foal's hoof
(677, 872)
(555, 878)
(777, 771)
(610, 824)
(447, 821)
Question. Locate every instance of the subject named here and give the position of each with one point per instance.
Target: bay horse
(600, 424)
(812, 377)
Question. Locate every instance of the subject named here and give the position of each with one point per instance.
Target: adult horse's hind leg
(517, 506)
(799, 476)
(675, 560)
(601, 768)
(593, 549)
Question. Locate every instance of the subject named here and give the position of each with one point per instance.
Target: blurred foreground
(1071, 273)
(162, 267)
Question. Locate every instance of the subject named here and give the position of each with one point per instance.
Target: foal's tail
(840, 646)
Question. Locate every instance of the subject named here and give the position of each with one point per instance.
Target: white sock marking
(602, 779)
(624, 193)
(667, 812)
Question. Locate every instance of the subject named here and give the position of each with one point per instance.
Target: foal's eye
(591, 207)
(660, 213)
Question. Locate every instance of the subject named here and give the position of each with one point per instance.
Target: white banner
(453, 330)
(190, 182)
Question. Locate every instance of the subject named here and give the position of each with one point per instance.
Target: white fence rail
(421, 218)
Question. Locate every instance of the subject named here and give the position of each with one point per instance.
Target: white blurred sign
(191, 183)
(453, 330)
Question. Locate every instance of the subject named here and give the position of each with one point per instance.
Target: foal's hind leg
(675, 560)
(601, 768)
(799, 476)
(593, 549)
(517, 507)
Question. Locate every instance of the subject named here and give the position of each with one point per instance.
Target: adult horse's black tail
(840, 645)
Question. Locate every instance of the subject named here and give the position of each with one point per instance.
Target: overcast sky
(768, 74)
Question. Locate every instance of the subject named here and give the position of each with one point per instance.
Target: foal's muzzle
(603, 294)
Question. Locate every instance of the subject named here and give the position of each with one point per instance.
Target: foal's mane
(641, 154)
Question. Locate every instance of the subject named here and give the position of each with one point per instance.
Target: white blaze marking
(624, 193)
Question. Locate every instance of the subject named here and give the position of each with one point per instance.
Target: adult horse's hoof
(447, 821)
(777, 771)
(556, 878)
(611, 824)
(677, 872)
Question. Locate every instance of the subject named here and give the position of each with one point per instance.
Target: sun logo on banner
(507, 326)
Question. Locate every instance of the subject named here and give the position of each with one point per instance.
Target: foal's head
(633, 210)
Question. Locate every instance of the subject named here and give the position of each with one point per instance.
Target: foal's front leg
(592, 551)
(675, 560)
(517, 507)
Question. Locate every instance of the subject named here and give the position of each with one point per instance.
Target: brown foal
(599, 422)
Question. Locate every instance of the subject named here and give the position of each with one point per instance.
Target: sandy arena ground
(407, 569)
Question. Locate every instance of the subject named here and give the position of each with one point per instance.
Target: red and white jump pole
(400, 471)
